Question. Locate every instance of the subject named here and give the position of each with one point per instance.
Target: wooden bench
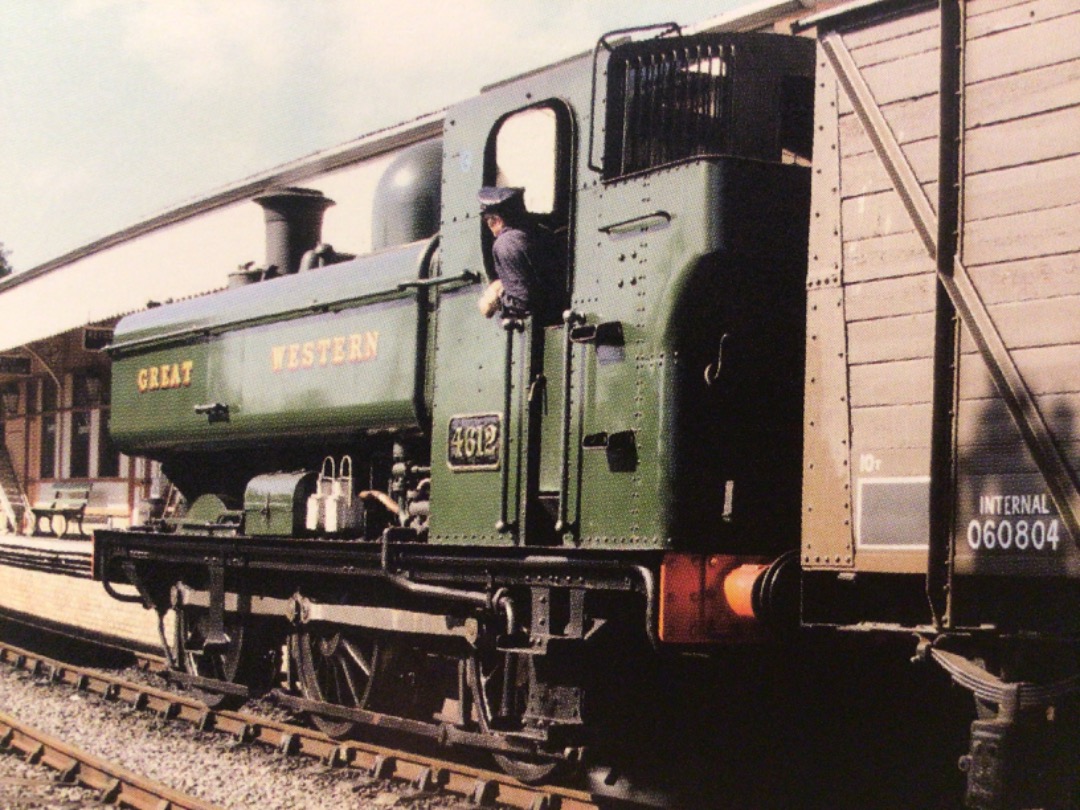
(68, 503)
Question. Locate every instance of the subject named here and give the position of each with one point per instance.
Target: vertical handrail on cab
(428, 263)
(510, 325)
(570, 319)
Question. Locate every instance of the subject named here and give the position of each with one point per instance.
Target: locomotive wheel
(334, 667)
(410, 681)
(248, 659)
(500, 706)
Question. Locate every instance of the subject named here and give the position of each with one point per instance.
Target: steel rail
(481, 787)
(116, 785)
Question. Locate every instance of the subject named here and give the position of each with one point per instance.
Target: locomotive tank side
(314, 355)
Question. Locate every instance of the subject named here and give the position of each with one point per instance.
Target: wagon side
(943, 356)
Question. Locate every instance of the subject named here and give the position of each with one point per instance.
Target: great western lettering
(359, 347)
(165, 377)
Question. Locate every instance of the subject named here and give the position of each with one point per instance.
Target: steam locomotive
(763, 410)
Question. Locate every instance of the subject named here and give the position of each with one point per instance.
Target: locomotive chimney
(293, 225)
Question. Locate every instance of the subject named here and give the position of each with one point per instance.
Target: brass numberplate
(474, 442)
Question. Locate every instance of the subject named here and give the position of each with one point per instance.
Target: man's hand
(489, 300)
(379, 497)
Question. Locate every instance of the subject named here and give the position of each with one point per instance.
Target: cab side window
(525, 155)
(531, 148)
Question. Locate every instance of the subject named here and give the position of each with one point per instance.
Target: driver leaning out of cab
(525, 258)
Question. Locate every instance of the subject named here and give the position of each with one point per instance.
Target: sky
(112, 111)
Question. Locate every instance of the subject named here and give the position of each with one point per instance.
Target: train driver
(525, 257)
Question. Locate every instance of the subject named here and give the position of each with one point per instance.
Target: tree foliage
(5, 265)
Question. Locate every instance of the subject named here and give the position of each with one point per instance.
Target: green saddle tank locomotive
(459, 527)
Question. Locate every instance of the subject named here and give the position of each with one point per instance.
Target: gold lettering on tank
(339, 350)
(165, 377)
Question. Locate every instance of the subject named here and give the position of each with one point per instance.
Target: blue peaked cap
(493, 198)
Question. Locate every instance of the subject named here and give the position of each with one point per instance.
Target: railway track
(113, 784)
(477, 786)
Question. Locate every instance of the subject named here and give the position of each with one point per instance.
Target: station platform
(69, 556)
(45, 582)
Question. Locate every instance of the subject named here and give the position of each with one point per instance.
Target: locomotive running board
(304, 610)
(960, 289)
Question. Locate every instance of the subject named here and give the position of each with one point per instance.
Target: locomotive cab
(686, 228)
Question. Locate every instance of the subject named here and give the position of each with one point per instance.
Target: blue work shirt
(526, 262)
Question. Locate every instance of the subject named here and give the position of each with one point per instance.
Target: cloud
(418, 56)
(423, 35)
(36, 216)
(198, 46)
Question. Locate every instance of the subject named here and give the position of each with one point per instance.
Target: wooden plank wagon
(943, 358)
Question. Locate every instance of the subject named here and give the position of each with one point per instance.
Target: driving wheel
(500, 684)
(334, 667)
(248, 657)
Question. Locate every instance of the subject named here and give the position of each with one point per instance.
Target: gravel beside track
(211, 766)
(34, 787)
